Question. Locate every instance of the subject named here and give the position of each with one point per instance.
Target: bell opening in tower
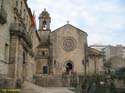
(44, 25)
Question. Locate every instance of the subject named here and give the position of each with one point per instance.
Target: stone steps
(49, 81)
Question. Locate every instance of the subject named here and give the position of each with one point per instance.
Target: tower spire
(44, 20)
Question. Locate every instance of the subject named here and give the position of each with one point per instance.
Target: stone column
(14, 50)
(20, 60)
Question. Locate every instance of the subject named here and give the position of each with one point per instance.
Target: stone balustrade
(20, 30)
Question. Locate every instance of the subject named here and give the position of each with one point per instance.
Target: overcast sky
(103, 20)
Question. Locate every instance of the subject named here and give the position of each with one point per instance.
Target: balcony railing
(3, 16)
(20, 30)
(16, 27)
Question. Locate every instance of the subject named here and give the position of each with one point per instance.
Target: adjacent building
(95, 62)
(17, 38)
(113, 56)
(110, 51)
(98, 47)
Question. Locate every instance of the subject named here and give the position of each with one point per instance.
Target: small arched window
(44, 25)
(6, 51)
(43, 53)
(55, 62)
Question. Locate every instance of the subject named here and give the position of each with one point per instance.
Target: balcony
(20, 30)
(16, 27)
(3, 16)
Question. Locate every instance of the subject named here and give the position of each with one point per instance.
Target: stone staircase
(49, 80)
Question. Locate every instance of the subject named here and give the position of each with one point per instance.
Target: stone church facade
(62, 52)
(63, 47)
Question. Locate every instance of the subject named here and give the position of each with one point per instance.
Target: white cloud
(101, 19)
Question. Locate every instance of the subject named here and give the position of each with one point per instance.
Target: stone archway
(69, 77)
(69, 66)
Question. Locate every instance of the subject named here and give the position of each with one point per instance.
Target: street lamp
(94, 58)
(84, 63)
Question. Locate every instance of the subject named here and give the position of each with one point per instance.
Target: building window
(21, 4)
(17, 2)
(45, 69)
(21, 9)
(43, 53)
(54, 62)
(24, 58)
(15, 19)
(6, 51)
(24, 15)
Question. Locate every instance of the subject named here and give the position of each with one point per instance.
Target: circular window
(69, 44)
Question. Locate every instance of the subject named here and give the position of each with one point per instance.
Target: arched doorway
(45, 69)
(69, 67)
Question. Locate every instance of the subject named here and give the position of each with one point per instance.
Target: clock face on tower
(69, 44)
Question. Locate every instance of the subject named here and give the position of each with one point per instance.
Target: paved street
(32, 88)
(58, 90)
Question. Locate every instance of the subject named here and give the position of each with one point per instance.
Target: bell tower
(43, 50)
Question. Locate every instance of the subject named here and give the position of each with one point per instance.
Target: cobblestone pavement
(32, 88)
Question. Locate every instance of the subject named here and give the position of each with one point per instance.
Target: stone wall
(5, 38)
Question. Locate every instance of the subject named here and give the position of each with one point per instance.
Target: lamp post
(94, 58)
(84, 63)
(95, 63)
